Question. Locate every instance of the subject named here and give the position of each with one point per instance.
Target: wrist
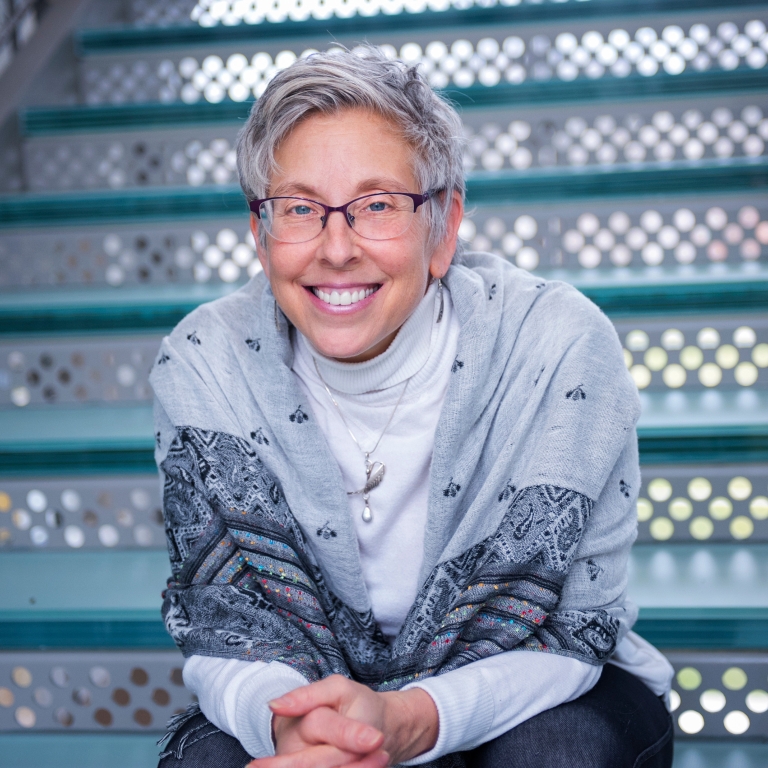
(414, 724)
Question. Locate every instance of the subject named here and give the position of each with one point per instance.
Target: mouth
(344, 298)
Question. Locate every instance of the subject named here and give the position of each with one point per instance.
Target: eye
(377, 206)
(300, 210)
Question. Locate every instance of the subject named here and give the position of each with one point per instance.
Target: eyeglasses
(382, 216)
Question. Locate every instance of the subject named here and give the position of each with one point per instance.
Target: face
(334, 159)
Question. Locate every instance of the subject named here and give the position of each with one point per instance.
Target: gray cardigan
(531, 506)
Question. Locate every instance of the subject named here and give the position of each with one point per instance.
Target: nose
(337, 244)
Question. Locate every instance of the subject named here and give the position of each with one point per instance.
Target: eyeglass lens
(375, 217)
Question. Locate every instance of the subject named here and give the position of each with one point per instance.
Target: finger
(326, 726)
(319, 756)
(374, 760)
(324, 693)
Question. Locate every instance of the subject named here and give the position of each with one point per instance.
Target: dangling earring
(277, 321)
(440, 295)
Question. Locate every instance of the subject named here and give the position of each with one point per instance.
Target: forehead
(343, 148)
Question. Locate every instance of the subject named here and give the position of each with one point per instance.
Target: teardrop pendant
(367, 514)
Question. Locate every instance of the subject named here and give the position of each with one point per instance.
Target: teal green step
(121, 39)
(617, 292)
(122, 750)
(675, 427)
(482, 187)
(45, 121)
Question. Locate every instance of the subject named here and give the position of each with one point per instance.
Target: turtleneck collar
(405, 356)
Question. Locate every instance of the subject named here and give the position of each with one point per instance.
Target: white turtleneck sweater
(479, 701)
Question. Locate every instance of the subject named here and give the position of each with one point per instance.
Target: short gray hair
(330, 82)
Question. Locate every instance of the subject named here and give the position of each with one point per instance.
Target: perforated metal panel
(94, 691)
(76, 370)
(703, 503)
(120, 512)
(601, 49)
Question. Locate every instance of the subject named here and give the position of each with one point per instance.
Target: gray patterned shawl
(531, 504)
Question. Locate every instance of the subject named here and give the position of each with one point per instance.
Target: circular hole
(161, 697)
(736, 722)
(81, 696)
(70, 500)
(710, 374)
(701, 528)
(177, 676)
(758, 508)
(757, 701)
(143, 717)
(59, 677)
(720, 508)
(6, 697)
(734, 678)
(746, 374)
(699, 489)
(680, 509)
(121, 697)
(22, 677)
(641, 376)
(739, 488)
(100, 677)
(43, 697)
(689, 678)
(727, 356)
(637, 341)
(74, 536)
(655, 358)
(103, 717)
(708, 338)
(741, 527)
(760, 355)
(25, 717)
(674, 700)
(644, 510)
(139, 676)
(712, 700)
(691, 358)
(63, 717)
(662, 528)
(659, 489)
(37, 501)
(690, 721)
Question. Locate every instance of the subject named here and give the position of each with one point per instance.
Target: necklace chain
(374, 470)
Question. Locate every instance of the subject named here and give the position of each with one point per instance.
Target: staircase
(620, 145)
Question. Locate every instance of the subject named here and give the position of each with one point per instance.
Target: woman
(399, 490)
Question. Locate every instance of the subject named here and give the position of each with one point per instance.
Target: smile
(344, 298)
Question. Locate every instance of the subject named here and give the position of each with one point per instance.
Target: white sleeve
(486, 698)
(234, 694)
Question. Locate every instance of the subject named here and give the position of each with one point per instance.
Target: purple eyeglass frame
(418, 200)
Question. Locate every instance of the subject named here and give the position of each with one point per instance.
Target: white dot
(690, 721)
(736, 722)
(38, 535)
(708, 338)
(70, 500)
(467, 229)
(663, 121)
(527, 258)
(674, 701)
(685, 253)
(143, 535)
(757, 701)
(126, 375)
(604, 240)
(573, 241)
(744, 337)
(74, 536)
(621, 256)
(636, 238)
(716, 218)
(229, 271)
(653, 254)
(526, 227)
(700, 33)
(637, 340)
(651, 221)
(588, 223)
(37, 501)
(712, 700)
(619, 222)
(647, 66)
(109, 535)
(589, 257)
(672, 339)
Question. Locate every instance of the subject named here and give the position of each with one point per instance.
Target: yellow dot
(25, 717)
(710, 375)
(680, 509)
(739, 488)
(760, 355)
(727, 356)
(644, 510)
(701, 528)
(628, 359)
(699, 489)
(758, 508)
(6, 697)
(746, 374)
(720, 508)
(734, 678)
(659, 489)
(22, 677)
(662, 528)
(689, 678)
(655, 358)
(674, 376)
(691, 358)
(640, 375)
(637, 340)
(5, 501)
(5, 535)
(741, 527)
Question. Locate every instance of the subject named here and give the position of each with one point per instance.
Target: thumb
(301, 701)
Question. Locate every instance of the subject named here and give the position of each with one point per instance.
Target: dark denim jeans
(618, 724)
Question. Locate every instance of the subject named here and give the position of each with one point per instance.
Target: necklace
(374, 470)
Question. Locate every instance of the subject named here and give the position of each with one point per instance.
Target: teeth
(343, 298)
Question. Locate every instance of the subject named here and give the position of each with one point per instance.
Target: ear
(444, 251)
(260, 249)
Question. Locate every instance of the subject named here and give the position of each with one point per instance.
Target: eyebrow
(381, 184)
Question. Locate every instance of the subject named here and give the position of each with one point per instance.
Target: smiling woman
(399, 486)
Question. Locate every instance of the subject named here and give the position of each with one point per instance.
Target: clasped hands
(337, 722)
